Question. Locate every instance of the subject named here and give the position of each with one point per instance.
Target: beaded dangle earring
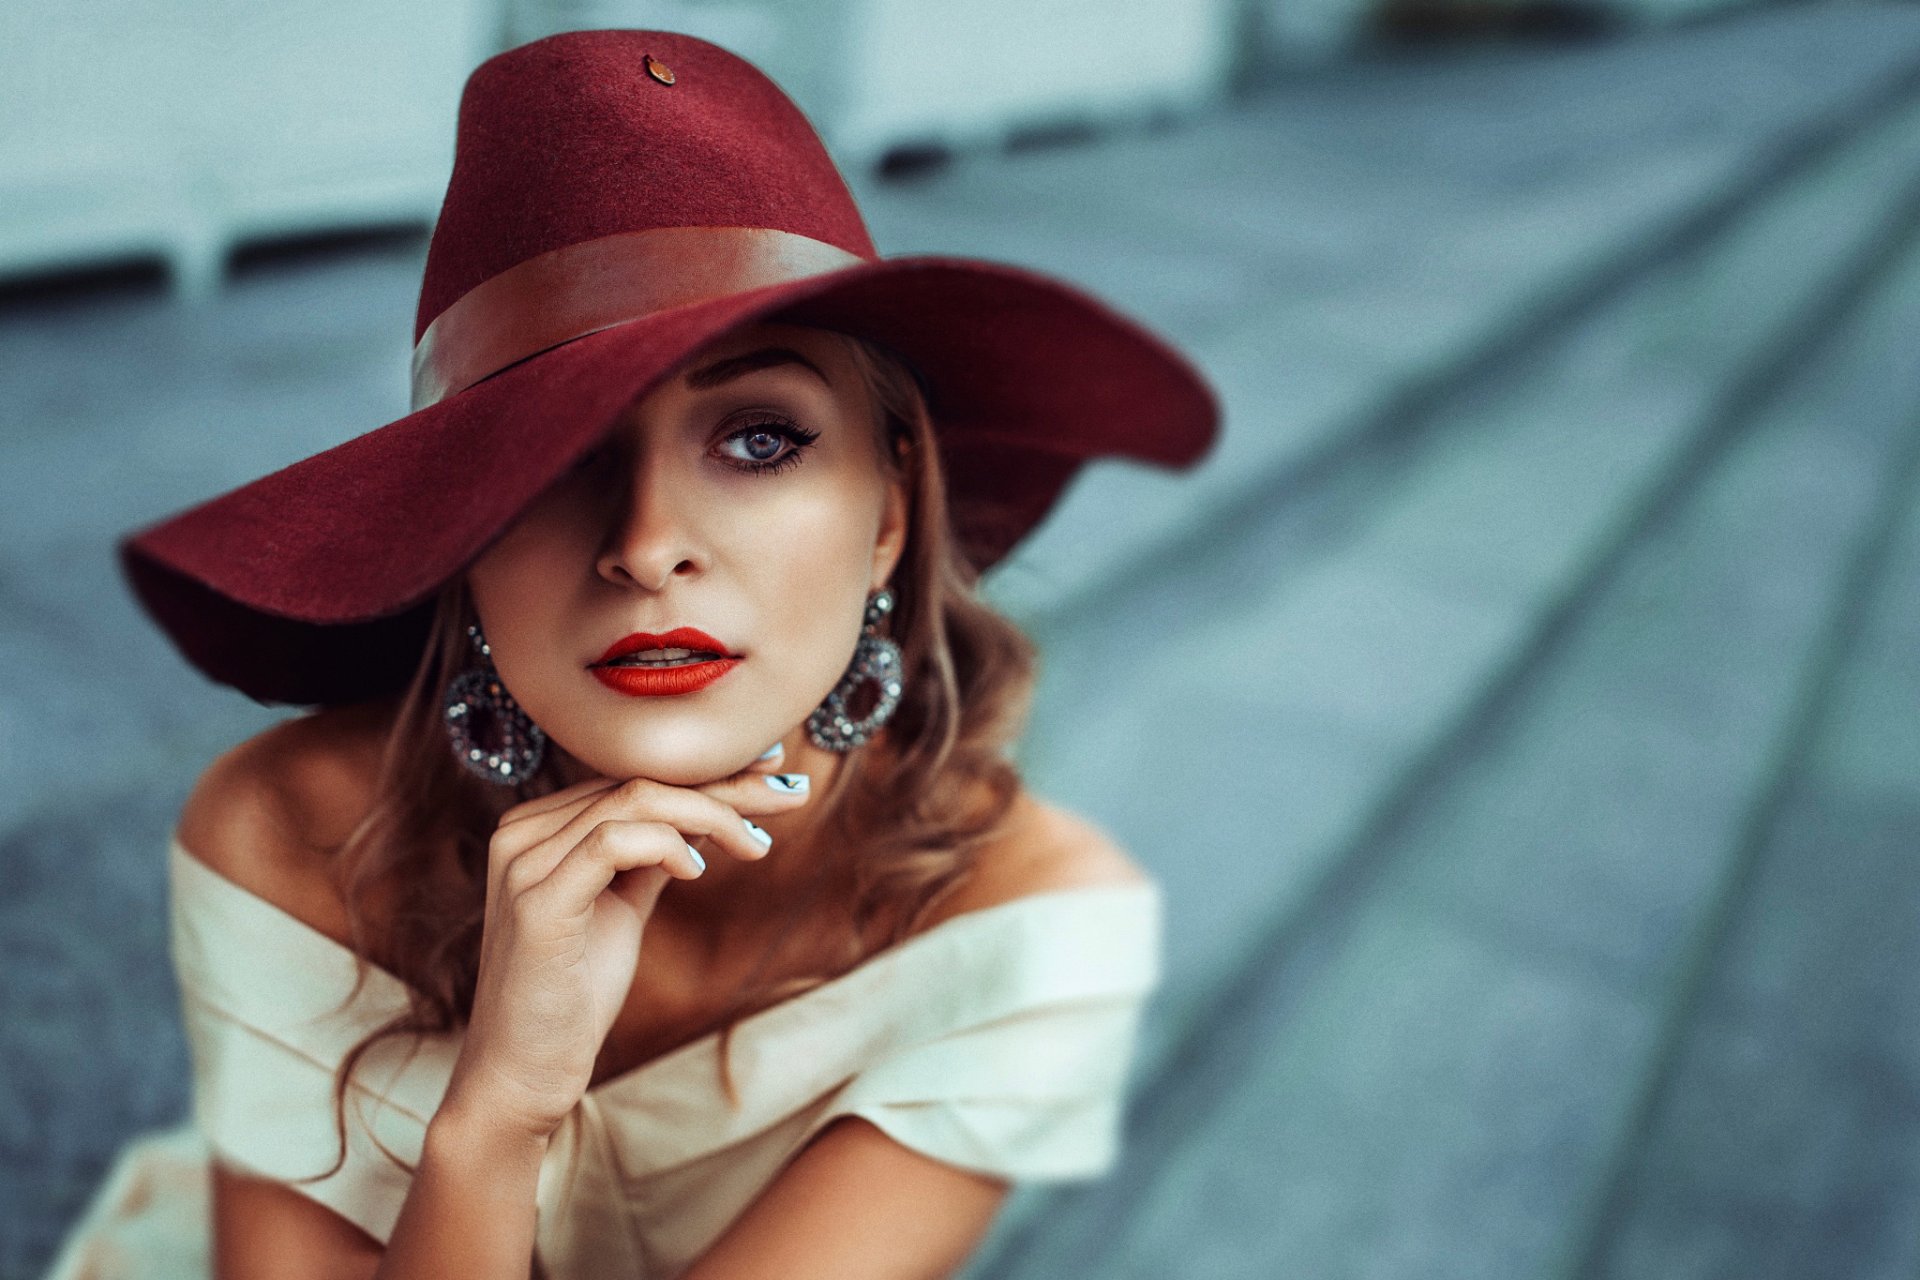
(875, 658)
(492, 737)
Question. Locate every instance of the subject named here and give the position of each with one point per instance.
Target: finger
(560, 799)
(639, 888)
(760, 793)
(522, 828)
(769, 760)
(693, 813)
(612, 846)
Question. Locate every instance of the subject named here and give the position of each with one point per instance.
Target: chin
(680, 755)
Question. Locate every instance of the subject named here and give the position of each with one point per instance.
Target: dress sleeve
(1033, 1086)
(261, 1004)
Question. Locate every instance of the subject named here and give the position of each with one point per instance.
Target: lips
(678, 638)
(645, 681)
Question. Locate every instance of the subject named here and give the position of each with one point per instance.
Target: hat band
(582, 288)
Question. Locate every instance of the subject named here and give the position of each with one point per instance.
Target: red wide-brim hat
(618, 200)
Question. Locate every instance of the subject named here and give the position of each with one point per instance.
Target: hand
(572, 879)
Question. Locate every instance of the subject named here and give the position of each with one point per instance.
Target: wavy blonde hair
(897, 830)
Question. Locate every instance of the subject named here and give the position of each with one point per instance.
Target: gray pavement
(1465, 703)
(1410, 603)
(1783, 1135)
(1461, 1060)
(1441, 553)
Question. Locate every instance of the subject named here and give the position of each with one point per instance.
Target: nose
(651, 539)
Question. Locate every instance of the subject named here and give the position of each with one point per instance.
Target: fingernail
(699, 862)
(773, 751)
(758, 834)
(792, 784)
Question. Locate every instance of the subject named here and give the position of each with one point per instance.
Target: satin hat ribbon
(578, 289)
(618, 201)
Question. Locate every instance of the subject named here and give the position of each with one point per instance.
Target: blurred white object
(178, 128)
(875, 75)
(1307, 32)
(174, 128)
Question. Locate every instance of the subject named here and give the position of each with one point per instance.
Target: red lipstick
(655, 681)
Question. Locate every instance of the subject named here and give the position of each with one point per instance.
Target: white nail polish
(759, 834)
(699, 862)
(792, 784)
(773, 751)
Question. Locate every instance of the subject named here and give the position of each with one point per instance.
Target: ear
(891, 540)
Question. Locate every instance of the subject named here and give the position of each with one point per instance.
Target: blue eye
(761, 442)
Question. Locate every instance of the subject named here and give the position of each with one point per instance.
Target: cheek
(506, 594)
(516, 585)
(813, 579)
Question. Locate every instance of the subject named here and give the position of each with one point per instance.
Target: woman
(669, 576)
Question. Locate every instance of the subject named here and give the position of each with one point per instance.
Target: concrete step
(1363, 626)
(1433, 1078)
(1344, 252)
(1348, 255)
(1417, 591)
(1781, 1138)
(1332, 250)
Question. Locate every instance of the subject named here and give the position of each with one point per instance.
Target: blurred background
(1520, 708)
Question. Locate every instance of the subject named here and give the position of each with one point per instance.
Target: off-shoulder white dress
(998, 1040)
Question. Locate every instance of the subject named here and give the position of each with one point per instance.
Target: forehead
(826, 351)
(717, 373)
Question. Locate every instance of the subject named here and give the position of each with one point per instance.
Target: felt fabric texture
(578, 114)
(314, 585)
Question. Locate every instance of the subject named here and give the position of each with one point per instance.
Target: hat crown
(573, 137)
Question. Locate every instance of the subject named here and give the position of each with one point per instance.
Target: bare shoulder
(1045, 848)
(267, 811)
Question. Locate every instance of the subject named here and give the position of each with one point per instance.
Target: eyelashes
(798, 438)
(777, 428)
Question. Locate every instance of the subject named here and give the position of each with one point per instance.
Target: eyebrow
(712, 375)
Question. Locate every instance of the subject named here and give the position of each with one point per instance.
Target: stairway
(1491, 705)
(1778, 1135)
(1457, 753)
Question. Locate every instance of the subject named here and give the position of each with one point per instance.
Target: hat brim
(313, 585)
